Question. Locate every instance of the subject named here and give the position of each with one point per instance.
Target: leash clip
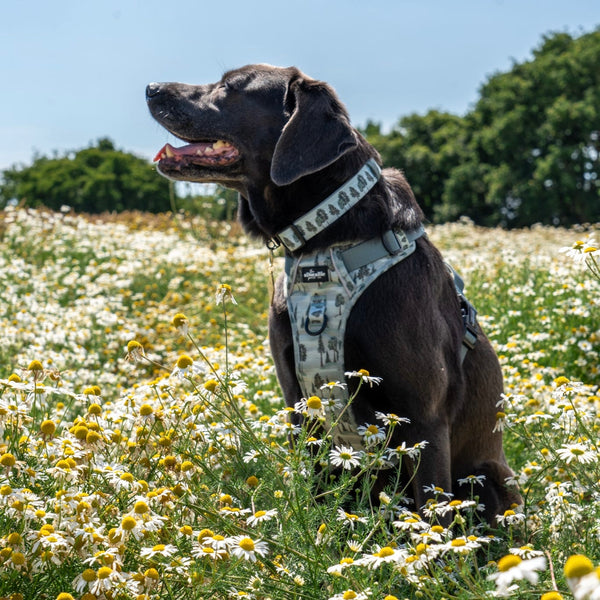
(273, 243)
(316, 319)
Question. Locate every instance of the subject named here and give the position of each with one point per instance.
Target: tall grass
(145, 448)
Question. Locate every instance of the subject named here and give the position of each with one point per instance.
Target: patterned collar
(328, 211)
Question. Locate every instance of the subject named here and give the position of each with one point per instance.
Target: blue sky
(74, 71)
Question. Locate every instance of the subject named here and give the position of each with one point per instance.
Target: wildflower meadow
(146, 452)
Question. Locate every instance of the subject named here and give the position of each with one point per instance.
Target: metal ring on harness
(321, 329)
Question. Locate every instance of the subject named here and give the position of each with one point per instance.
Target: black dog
(285, 143)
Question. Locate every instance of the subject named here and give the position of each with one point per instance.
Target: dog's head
(257, 125)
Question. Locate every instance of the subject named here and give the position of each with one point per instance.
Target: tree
(95, 179)
(531, 152)
(526, 153)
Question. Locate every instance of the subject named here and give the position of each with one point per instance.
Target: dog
(284, 141)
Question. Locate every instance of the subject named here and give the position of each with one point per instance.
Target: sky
(75, 71)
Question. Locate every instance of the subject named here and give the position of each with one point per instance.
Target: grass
(144, 444)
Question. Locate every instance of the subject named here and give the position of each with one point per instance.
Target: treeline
(527, 152)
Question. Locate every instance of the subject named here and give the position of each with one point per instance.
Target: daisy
(382, 555)
(343, 564)
(349, 518)
(332, 385)
(576, 452)
(372, 434)
(310, 407)
(244, 547)
(345, 457)
(165, 550)
(391, 418)
(261, 516)
(186, 367)
(364, 376)
(510, 517)
(512, 568)
(351, 595)
(462, 545)
(472, 480)
(224, 294)
(526, 551)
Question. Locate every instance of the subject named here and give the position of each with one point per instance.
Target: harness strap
(390, 243)
(469, 315)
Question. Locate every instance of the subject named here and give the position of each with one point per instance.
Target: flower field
(145, 448)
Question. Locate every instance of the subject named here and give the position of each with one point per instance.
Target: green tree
(426, 148)
(96, 179)
(531, 151)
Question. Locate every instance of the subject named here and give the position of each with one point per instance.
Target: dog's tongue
(200, 149)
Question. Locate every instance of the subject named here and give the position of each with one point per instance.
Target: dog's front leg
(430, 470)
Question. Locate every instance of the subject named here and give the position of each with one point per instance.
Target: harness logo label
(315, 274)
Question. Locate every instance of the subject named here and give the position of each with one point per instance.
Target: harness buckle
(392, 244)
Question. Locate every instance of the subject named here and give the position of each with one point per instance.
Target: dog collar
(329, 210)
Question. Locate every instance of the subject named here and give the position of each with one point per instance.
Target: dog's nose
(152, 89)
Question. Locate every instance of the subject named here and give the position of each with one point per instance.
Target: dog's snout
(153, 89)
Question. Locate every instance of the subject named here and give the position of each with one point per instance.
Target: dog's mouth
(204, 154)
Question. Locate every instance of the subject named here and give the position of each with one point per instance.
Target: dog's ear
(317, 133)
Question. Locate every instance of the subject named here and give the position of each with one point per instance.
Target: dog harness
(321, 289)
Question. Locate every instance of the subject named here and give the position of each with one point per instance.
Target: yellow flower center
(8, 460)
(260, 513)
(211, 385)
(151, 574)
(184, 361)
(179, 320)
(577, 566)
(35, 365)
(140, 507)
(314, 403)
(104, 572)
(128, 523)
(458, 542)
(372, 430)
(146, 410)
(247, 544)
(362, 373)
(89, 575)
(385, 551)
(48, 427)
(349, 595)
(508, 562)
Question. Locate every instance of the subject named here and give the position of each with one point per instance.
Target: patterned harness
(322, 287)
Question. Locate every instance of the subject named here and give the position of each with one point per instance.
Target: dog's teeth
(220, 144)
(168, 151)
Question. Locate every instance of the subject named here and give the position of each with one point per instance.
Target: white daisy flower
(164, 550)
(512, 568)
(364, 376)
(345, 457)
(371, 434)
(576, 452)
(349, 518)
(380, 556)
(244, 547)
(310, 407)
(261, 516)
